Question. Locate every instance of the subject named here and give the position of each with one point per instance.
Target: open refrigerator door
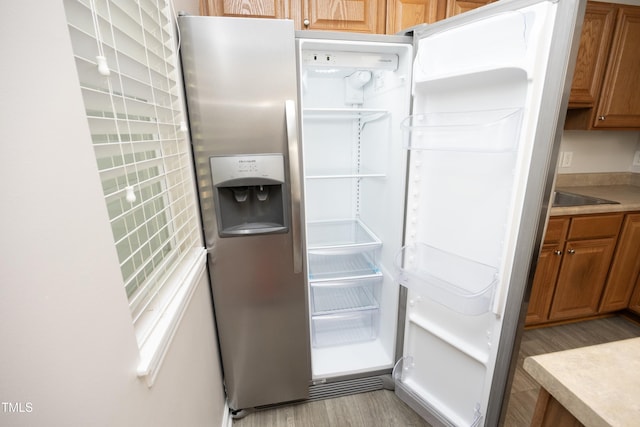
(487, 94)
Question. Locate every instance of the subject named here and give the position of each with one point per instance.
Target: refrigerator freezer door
(240, 79)
(488, 95)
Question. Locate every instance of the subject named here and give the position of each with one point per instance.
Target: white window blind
(127, 65)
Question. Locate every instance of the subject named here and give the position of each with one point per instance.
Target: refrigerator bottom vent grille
(345, 388)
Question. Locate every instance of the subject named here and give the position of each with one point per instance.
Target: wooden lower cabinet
(582, 275)
(634, 301)
(625, 268)
(573, 267)
(542, 289)
(547, 271)
(550, 413)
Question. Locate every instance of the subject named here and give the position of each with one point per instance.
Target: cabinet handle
(306, 22)
(557, 252)
(572, 251)
(601, 118)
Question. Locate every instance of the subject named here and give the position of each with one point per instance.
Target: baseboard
(631, 316)
(568, 321)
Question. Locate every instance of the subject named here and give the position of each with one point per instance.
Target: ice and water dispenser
(249, 194)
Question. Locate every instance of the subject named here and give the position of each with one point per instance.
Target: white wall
(68, 354)
(599, 151)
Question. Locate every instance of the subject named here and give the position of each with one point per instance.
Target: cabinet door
(247, 8)
(634, 302)
(619, 105)
(581, 279)
(402, 14)
(359, 16)
(597, 30)
(543, 283)
(456, 7)
(595, 226)
(624, 268)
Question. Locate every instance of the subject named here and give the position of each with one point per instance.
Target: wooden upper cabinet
(248, 8)
(456, 7)
(605, 93)
(402, 14)
(361, 16)
(619, 105)
(597, 30)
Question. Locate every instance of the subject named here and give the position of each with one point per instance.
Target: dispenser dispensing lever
(240, 194)
(262, 193)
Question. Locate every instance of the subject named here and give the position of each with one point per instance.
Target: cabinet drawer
(556, 230)
(594, 227)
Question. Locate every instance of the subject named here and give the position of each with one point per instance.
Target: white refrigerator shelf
(345, 295)
(345, 173)
(490, 131)
(365, 114)
(340, 266)
(340, 237)
(461, 284)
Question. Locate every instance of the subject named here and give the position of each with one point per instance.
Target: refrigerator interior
(353, 98)
(476, 95)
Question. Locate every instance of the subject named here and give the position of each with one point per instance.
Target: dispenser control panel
(247, 167)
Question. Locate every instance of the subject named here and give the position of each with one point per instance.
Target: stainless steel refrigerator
(240, 79)
(373, 205)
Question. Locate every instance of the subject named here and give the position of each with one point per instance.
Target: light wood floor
(383, 409)
(376, 408)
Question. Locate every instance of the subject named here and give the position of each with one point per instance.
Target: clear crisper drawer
(329, 297)
(340, 237)
(476, 131)
(344, 328)
(461, 284)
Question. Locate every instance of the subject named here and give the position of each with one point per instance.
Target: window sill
(159, 329)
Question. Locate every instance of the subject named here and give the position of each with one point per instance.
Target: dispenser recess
(249, 194)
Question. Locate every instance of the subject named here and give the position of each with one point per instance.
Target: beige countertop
(599, 385)
(627, 195)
